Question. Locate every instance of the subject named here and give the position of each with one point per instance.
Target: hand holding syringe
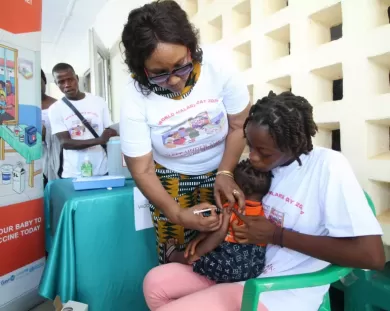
(206, 212)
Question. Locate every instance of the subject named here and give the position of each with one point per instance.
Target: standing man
(77, 141)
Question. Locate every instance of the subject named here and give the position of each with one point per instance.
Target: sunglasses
(164, 77)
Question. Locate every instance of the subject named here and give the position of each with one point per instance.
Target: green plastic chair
(366, 290)
(333, 273)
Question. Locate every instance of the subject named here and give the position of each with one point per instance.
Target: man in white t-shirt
(77, 142)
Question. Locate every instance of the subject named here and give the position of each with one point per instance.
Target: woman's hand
(225, 186)
(255, 230)
(189, 220)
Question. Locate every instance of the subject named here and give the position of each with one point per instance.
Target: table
(30, 153)
(96, 256)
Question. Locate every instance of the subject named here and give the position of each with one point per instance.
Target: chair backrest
(370, 203)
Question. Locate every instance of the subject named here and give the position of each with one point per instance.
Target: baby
(218, 256)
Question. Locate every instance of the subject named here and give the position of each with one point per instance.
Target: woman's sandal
(169, 248)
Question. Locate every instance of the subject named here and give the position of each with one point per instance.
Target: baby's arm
(212, 240)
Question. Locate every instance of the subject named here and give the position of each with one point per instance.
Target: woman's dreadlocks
(289, 119)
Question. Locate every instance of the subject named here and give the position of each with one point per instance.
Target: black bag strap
(83, 120)
(61, 168)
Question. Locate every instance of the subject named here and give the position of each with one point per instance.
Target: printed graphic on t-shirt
(194, 129)
(276, 217)
(268, 268)
(78, 129)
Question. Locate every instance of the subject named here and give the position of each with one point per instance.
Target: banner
(21, 182)
(23, 16)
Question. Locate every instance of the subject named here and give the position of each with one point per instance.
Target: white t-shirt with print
(45, 118)
(46, 124)
(322, 198)
(62, 119)
(187, 135)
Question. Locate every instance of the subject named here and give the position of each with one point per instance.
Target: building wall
(115, 11)
(281, 47)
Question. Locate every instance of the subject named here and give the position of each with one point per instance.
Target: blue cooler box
(30, 135)
(98, 182)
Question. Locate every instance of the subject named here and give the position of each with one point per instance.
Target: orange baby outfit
(252, 208)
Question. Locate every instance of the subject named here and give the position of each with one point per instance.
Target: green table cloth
(96, 256)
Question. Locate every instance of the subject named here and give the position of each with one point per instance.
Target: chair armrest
(254, 287)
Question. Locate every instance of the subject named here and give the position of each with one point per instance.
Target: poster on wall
(21, 182)
(21, 206)
(20, 140)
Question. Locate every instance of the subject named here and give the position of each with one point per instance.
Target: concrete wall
(280, 47)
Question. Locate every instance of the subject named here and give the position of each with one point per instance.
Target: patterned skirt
(187, 191)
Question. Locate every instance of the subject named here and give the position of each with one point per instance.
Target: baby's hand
(191, 247)
(226, 220)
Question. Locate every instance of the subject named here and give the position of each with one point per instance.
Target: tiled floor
(47, 306)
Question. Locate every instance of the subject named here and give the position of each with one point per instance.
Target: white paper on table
(142, 217)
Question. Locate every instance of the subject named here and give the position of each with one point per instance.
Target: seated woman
(316, 214)
(218, 256)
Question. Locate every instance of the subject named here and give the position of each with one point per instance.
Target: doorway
(98, 78)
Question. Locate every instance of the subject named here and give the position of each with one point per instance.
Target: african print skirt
(187, 191)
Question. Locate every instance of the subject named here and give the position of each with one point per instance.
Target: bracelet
(226, 173)
(277, 238)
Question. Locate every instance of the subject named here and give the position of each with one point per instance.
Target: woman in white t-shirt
(316, 214)
(181, 123)
(50, 143)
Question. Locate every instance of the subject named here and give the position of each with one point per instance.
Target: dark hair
(289, 119)
(43, 77)
(252, 181)
(159, 21)
(62, 67)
